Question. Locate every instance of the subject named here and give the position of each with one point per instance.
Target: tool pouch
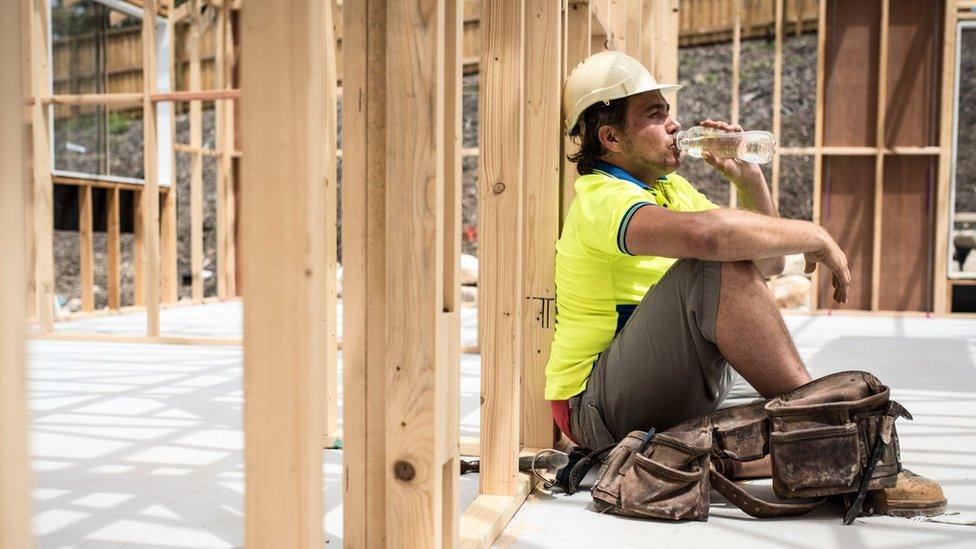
(822, 435)
(667, 480)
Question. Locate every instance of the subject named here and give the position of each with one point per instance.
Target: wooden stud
(540, 214)
(328, 290)
(169, 254)
(777, 98)
(736, 55)
(417, 346)
(449, 374)
(28, 160)
(576, 49)
(43, 187)
(818, 135)
(225, 167)
(882, 107)
(940, 291)
(220, 108)
(150, 193)
(113, 245)
(364, 295)
(196, 160)
(85, 248)
(283, 77)
(500, 231)
(168, 279)
(15, 501)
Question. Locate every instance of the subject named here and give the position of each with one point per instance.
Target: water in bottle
(753, 146)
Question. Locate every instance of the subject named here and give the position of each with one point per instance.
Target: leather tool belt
(834, 435)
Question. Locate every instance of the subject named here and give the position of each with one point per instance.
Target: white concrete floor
(140, 445)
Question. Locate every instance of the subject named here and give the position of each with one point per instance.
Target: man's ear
(609, 138)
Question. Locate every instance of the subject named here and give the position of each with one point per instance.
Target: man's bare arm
(735, 235)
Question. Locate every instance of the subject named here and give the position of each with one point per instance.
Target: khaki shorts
(663, 367)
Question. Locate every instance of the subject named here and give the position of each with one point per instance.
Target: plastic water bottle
(753, 146)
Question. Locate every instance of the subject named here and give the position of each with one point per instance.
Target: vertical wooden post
(632, 27)
(449, 374)
(225, 169)
(286, 176)
(540, 213)
(940, 274)
(43, 186)
(736, 55)
(168, 275)
(364, 267)
(85, 251)
(882, 107)
(777, 98)
(500, 231)
(138, 248)
(196, 159)
(818, 136)
(169, 283)
(660, 41)
(576, 49)
(150, 191)
(417, 449)
(330, 381)
(113, 244)
(15, 503)
(222, 119)
(28, 161)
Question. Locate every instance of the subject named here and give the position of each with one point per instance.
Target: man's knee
(741, 270)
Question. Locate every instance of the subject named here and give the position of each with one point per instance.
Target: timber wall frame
(402, 192)
(156, 276)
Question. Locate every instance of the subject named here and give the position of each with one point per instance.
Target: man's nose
(673, 125)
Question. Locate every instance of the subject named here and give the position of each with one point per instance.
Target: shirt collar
(619, 173)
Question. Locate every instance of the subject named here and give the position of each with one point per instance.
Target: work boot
(911, 496)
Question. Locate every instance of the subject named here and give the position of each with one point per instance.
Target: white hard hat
(603, 77)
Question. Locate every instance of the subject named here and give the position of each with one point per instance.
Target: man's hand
(834, 259)
(736, 171)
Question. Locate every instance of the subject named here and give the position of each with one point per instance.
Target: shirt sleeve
(604, 213)
(701, 202)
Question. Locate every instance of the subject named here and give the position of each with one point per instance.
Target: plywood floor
(140, 445)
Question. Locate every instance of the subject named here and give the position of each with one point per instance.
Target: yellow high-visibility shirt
(598, 282)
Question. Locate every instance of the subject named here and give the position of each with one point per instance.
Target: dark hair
(587, 132)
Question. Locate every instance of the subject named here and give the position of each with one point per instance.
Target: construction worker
(658, 290)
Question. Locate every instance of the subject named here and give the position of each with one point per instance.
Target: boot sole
(908, 509)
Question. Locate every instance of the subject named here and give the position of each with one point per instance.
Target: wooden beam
(540, 213)
(818, 136)
(777, 97)
(449, 373)
(364, 253)
(576, 49)
(113, 254)
(196, 160)
(734, 106)
(500, 231)
(941, 301)
(85, 248)
(284, 188)
(225, 165)
(328, 290)
(487, 516)
(43, 187)
(418, 499)
(882, 107)
(659, 51)
(150, 192)
(15, 501)
(169, 255)
(222, 119)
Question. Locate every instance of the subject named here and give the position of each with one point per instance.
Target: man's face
(648, 137)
